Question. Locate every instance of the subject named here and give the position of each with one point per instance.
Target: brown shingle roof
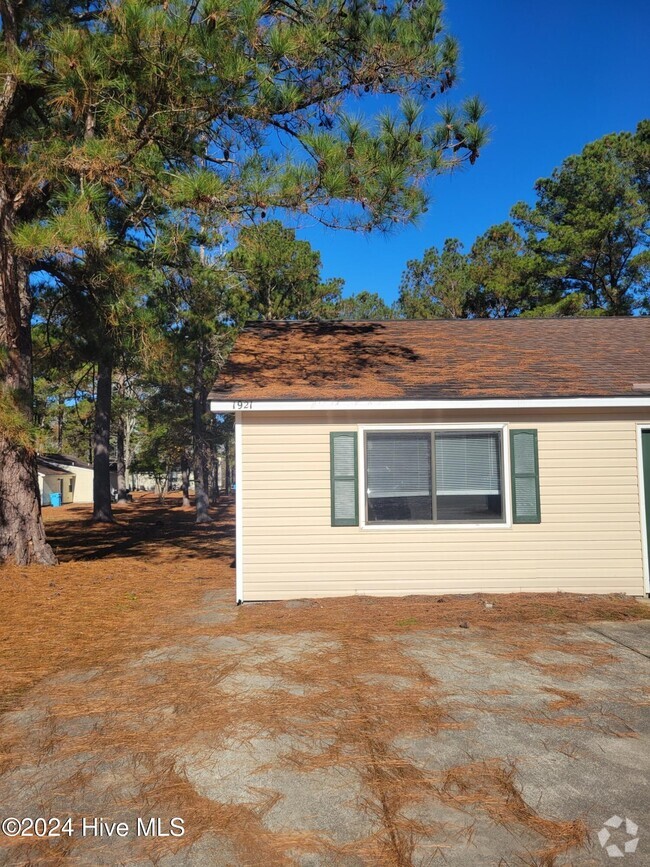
(438, 359)
(48, 468)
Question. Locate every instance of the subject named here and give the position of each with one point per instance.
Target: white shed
(54, 480)
(81, 470)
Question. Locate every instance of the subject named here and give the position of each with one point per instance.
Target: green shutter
(344, 487)
(525, 477)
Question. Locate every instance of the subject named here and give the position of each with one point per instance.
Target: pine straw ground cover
(117, 587)
(135, 592)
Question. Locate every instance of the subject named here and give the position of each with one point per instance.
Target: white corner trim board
(241, 406)
(239, 513)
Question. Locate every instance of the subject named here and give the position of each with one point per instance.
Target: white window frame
(503, 427)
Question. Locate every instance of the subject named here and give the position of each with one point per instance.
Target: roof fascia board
(227, 406)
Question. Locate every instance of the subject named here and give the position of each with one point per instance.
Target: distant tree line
(582, 248)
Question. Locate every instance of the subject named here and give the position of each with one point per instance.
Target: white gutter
(226, 406)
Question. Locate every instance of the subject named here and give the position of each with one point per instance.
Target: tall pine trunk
(102, 510)
(185, 479)
(216, 492)
(59, 424)
(128, 429)
(22, 535)
(200, 490)
(121, 461)
(207, 475)
(198, 431)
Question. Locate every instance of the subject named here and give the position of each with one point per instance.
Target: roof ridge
(439, 320)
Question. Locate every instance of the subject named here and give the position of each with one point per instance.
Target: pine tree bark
(102, 509)
(22, 534)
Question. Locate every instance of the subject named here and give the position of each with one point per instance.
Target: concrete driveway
(456, 746)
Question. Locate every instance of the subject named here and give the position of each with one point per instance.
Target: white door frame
(644, 516)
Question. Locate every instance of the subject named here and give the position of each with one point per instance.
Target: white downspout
(239, 512)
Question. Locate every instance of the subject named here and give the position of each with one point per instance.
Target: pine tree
(590, 225)
(225, 109)
(504, 273)
(438, 286)
(191, 297)
(363, 305)
(278, 276)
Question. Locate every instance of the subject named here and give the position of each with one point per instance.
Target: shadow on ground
(142, 528)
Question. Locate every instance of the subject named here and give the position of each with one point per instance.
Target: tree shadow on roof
(282, 353)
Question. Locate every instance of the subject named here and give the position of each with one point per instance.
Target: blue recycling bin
(55, 499)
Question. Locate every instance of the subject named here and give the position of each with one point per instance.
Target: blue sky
(554, 75)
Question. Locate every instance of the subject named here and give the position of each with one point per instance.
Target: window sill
(488, 525)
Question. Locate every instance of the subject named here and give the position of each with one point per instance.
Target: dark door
(645, 448)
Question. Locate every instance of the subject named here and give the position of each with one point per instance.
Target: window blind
(468, 463)
(399, 465)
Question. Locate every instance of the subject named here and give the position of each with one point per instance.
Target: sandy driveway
(462, 746)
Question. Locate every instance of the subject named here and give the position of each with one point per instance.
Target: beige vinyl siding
(83, 487)
(589, 539)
